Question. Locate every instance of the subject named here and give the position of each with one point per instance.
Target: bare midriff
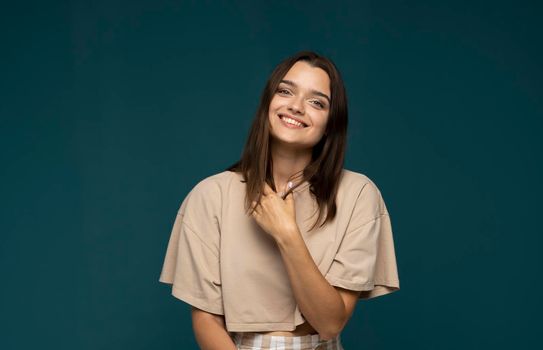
(303, 329)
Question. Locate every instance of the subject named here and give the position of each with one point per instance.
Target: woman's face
(304, 95)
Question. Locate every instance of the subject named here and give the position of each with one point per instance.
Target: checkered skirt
(258, 341)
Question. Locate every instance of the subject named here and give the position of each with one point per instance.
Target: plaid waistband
(258, 341)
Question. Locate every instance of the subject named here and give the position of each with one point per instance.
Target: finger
(267, 189)
(289, 197)
(256, 207)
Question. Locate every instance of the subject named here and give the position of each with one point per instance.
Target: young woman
(276, 250)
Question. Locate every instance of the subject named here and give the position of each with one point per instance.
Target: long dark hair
(324, 171)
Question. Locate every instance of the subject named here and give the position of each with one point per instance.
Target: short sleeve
(366, 259)
(192, 261)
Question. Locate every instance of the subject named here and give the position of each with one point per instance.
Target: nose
(296, 106)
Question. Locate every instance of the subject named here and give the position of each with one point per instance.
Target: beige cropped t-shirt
(219, 260)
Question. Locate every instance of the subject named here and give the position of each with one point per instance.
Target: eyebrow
(315, 92)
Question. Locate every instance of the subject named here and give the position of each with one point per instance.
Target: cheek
(320, 123)
(274, 104)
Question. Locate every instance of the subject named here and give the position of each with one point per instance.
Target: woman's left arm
(321, 304)
(326, 308)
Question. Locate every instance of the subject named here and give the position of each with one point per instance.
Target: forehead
(308, 77)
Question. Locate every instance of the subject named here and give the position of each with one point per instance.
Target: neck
(288, 164)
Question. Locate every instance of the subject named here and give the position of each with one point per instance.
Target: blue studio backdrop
(111, 111)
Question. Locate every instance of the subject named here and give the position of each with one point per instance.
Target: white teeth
(291, 121)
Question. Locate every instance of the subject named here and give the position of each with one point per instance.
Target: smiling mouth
(291, 122)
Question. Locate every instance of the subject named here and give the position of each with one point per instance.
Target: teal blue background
(112, 110)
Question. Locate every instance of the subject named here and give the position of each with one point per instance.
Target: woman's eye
(285, 91)
(321, 105)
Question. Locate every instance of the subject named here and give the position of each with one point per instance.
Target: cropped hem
(260, 327)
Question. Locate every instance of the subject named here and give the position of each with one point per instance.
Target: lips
(291, 117)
